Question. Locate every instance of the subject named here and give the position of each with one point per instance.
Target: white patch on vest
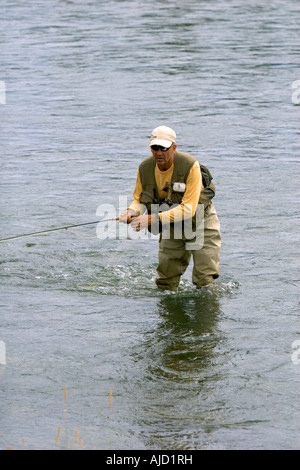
(179, 187)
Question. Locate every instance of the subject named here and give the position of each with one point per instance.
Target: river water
(96, 357)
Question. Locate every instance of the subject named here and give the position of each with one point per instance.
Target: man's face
(163, 158)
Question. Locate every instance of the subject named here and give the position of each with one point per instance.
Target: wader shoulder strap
(147, 171)
(149, 193)
(183, 163)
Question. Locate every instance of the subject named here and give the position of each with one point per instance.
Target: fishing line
(93, 284)
(68, 228)
(82, 236)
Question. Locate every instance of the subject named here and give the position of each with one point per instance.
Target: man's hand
(127, 216)
(142, 221)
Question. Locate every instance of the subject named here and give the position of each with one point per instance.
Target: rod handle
(133, 216)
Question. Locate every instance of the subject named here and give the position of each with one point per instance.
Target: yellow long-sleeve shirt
(190, 199)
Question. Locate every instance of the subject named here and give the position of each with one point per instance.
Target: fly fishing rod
(43, 232)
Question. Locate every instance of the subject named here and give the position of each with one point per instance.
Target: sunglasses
(159, 147)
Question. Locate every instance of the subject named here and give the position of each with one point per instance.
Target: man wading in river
(176, 193)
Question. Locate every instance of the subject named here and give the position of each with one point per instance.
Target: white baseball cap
(163, 135)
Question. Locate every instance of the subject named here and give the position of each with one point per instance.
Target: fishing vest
(183, 163)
